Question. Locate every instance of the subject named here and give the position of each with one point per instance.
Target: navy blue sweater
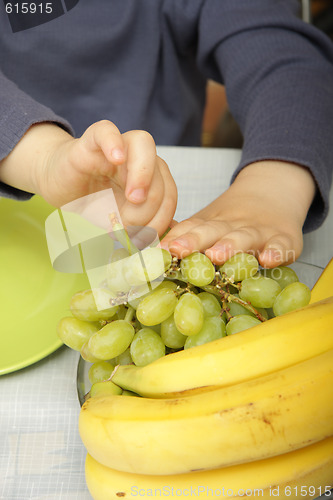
(143, 64)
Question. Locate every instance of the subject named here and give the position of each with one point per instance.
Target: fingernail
(219, 253)
(220, 248)
(137, 195)
(273, 255)
(180, 242)
(117, 154)
(163, 245)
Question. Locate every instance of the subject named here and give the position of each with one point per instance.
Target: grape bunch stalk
(169, 304)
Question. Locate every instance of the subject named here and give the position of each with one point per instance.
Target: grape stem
(211, 289)
(228, 297)
(225, 309)
(174, 273)
(122, 235)
(129, 314)
(216, 288)
(226, 281)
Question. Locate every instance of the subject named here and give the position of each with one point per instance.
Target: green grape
(241, 322)
(170, 335)
(197, 269)
(156, 307)
(210, 303)
(281, 274)
(213, 328)
(115, 272)
(87, 355)
(99, 371)
(292, 297)
(147, 266)
(189, 314)
(123, 359)
(74, 332)
(166, 256)
(105, 388)
(119, 254)
(259, 291)
(83, 305)
(171, 285)
(146, 347)
(111, 340)
(240, 266)
(137, 294)
(156, 328)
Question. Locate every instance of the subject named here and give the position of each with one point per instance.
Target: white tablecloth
(41, 455)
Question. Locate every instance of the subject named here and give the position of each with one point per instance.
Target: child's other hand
(262, 212)
(104, 158)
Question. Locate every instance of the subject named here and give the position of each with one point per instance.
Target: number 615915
(29, 8)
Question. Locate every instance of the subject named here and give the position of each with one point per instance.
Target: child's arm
(49, 162)
(262, 212)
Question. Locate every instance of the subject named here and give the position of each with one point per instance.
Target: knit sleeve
(18, 112)
(278, 73)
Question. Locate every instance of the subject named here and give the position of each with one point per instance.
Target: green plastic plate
(33, 296)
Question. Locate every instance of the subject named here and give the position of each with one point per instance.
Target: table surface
(41, 455)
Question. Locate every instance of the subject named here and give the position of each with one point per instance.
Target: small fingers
(280, 249)
(192, 235)
(141, 164)
(158, 210)
(163, 218)
(220, 241)
(105, 136)
(245, 239)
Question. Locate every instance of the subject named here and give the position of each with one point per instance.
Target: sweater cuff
(14, 125)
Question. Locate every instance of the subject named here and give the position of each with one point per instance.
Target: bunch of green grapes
(183, 304)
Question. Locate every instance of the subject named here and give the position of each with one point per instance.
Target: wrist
(26, 165)
(291, 184)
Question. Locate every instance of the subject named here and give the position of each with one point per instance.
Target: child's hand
(63, 169)
(262, 212)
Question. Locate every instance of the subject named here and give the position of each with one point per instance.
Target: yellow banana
(323, 288)
(306, 473)
(253, 420)
(270, 346)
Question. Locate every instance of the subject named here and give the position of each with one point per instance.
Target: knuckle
(106, 125)
(155, 197)
(144, 137)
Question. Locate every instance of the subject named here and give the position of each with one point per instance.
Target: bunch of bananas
(250, 414)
